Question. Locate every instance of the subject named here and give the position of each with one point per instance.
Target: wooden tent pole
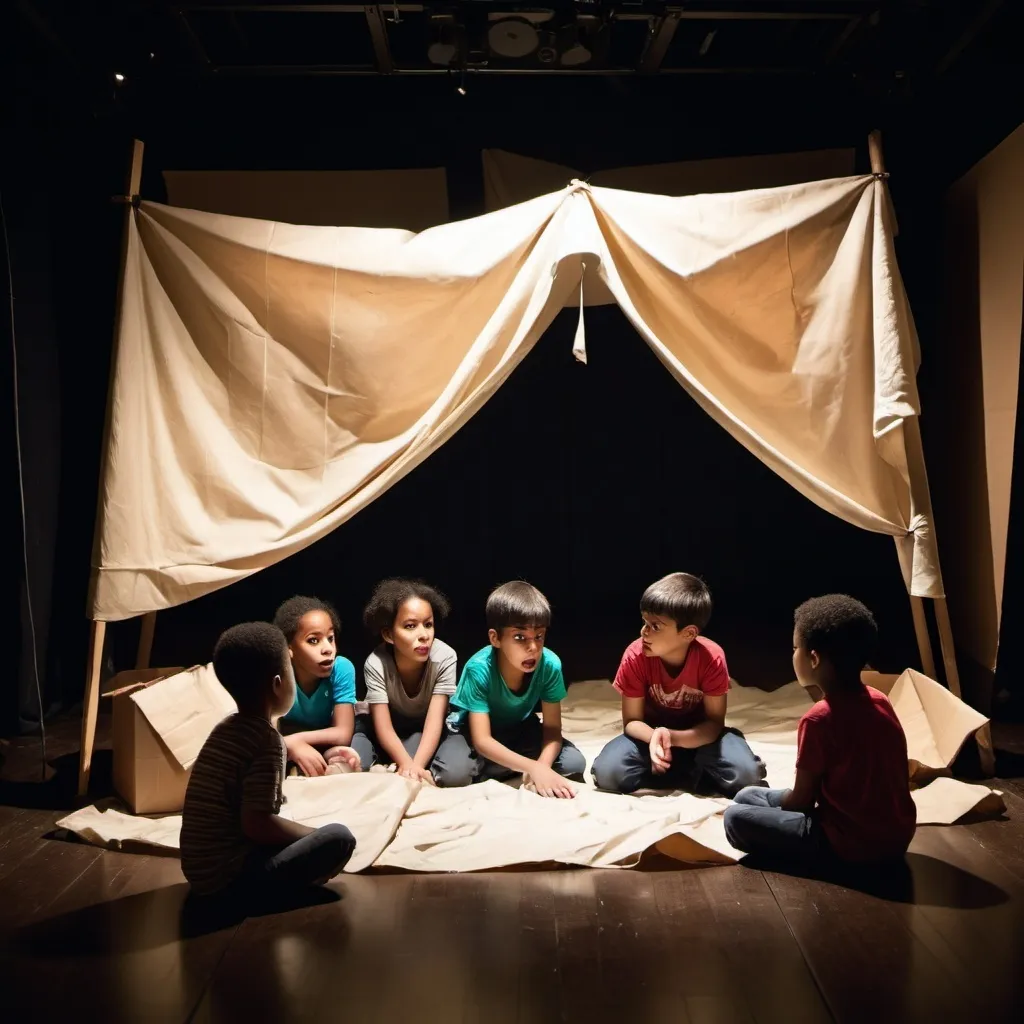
(145, 640)
(924, 642)
(91, 704)
(948, 647)
(98, 630)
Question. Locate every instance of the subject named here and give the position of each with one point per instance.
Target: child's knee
(452, 776)
(615, 773)
(750, 795)
(571, 761)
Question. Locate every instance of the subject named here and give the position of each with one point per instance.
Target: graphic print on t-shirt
(683, 699)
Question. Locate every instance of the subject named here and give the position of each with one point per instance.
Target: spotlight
(444, 47)
(512, 37)
(118, 77)
(574, 52)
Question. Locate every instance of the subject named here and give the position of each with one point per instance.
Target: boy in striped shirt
(233, 839)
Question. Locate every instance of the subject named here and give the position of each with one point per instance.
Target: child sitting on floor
(851, 798)
(409, 677)
(495, 731)
(233, 839)
(322, 719)
(674, 685)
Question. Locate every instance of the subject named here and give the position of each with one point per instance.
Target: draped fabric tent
(271, 380)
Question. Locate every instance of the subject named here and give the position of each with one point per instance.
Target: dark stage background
(590, 481)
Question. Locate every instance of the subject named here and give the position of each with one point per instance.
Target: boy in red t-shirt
(674, 685)
(851, 799)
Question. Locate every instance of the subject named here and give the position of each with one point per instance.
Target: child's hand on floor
(415, 773)
(547, 782)
(661, 750)
(308, 758)
(343, 756)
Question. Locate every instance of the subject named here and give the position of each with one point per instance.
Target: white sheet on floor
(404, 825)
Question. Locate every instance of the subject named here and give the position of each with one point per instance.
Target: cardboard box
(161, 718)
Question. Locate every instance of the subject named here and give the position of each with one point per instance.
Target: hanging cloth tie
(579, 341)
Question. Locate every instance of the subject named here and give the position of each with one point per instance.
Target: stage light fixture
(445, 46)
(512, 38)
(573, 50)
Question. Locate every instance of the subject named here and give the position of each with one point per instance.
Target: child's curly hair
(840, 629)
(389, 595)
(290, 613)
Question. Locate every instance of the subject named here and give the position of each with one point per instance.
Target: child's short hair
(681, 597)
(246, 659)
(840, 629)
(289, 615)
(517, 604)
(389, 595)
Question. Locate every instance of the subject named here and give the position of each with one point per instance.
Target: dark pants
(721, 768)
(458, 764)
(311, 860)
(410, 733)
(757, 824)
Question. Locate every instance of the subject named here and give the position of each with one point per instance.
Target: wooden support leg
(924, 641)
(986, 752)
(948, 648)
(91, 704)
(146, 640)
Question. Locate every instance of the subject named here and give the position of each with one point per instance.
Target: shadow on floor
(59, 792)
(919, 880)
(148, 920)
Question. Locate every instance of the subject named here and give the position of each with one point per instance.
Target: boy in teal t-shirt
(494, 705)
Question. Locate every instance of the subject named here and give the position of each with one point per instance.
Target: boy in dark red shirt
(674, 685)
(851, 798)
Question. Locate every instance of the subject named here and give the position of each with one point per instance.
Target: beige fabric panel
(510, 178)
(980, 334)
(411, 199)
(272, 380)
(416, 827)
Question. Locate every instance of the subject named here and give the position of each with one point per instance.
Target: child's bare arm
(338, 734)
(633, 724)
(551, 744)
(386, 735)
(267, 829)
(433, 727)
(707, 731)
(804, 794)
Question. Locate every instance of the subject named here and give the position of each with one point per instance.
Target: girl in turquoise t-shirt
(318, 730)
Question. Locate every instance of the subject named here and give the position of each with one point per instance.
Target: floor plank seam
(190, 1016)
(799, 945)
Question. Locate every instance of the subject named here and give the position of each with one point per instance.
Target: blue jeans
(311, 860)
(365, 738)
(721, 768)
(757, 824)
(456, 763)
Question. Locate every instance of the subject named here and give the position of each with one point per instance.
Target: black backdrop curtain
(591, 482)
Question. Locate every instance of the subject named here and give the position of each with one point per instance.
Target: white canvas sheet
(414, 827)
(272, 380)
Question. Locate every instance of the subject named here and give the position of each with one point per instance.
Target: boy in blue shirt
(496, 699)
(323, 717)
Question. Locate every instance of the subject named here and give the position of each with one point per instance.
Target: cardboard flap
(936, 722)
(183, 710)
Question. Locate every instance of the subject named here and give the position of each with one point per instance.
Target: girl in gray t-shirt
(409, 677)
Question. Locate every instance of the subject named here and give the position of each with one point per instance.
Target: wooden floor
(89, 935)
